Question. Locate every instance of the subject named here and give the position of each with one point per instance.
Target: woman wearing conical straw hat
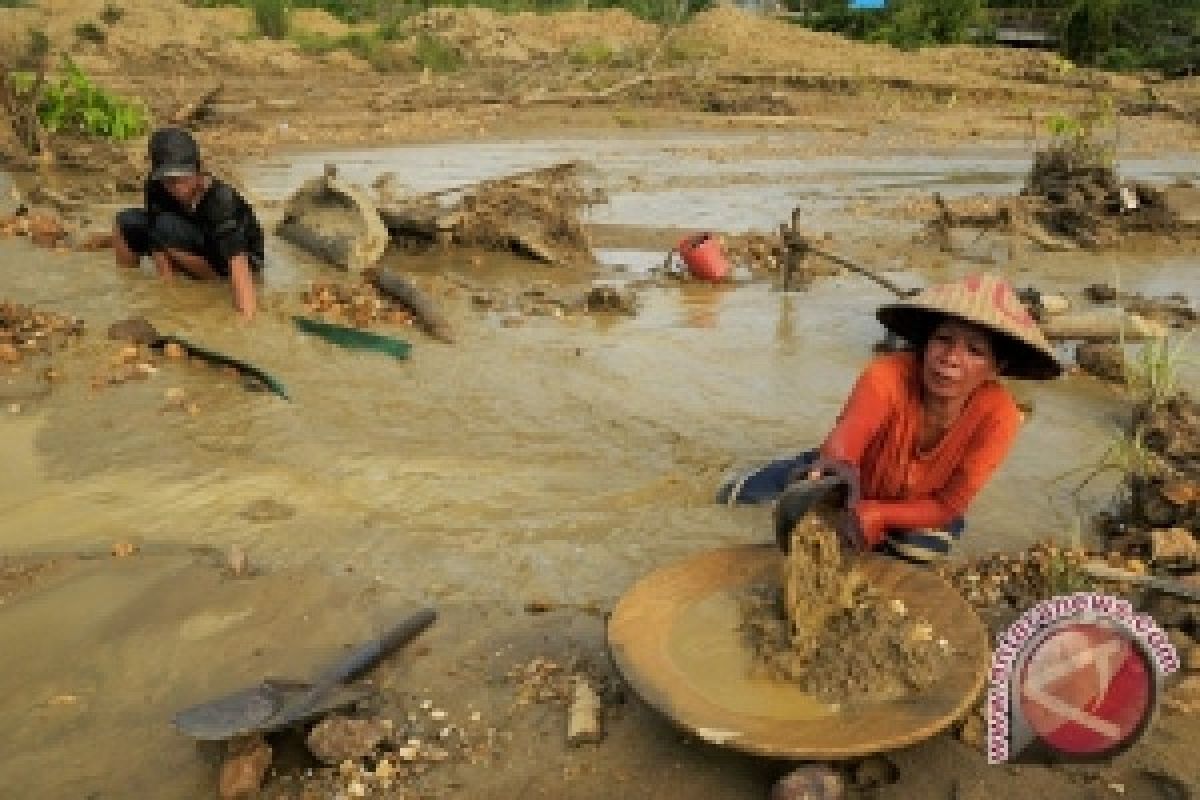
(923, 429)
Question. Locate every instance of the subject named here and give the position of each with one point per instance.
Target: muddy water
(571, 454)
(559, 459)
(716, 664)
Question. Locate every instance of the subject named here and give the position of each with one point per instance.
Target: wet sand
(561, 459)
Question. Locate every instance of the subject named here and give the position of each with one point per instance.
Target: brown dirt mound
(483, 36)
(741, 36)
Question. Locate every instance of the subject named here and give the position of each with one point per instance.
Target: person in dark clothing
(191, 222)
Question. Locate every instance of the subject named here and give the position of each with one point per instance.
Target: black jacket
(227, 221)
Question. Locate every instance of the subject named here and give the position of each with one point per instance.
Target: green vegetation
(592, 53)
(371, 47)
(1087, 138)
(272, 18)
(73, 104)
(434, 53)
(386, 13)
(1117, 34)
(1153, 373)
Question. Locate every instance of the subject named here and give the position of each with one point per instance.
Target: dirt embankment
(597, 69)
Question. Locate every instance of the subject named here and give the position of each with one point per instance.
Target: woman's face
(958, 358)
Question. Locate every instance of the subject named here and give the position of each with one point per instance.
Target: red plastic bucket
(703, 257)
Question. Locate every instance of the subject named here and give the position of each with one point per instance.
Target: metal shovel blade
(275, 704)
(250, 710)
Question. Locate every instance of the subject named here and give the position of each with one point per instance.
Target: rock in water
(136, 330)
(244, 767)
(813, 782)
(337, 739)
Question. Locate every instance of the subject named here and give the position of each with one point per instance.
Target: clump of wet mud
(1162, 487)
(536, 213)
(1073, 197)
(825, 629)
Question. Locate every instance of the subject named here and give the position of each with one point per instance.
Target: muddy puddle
(562, 458)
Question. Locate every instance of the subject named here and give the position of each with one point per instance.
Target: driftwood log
(406, 293)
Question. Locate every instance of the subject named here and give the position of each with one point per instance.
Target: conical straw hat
(985, 300)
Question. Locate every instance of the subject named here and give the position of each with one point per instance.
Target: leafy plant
(272, 18)
(393, 29)
(433, 52)
(1154, 371)
(1126, 455)
(370, 47)
(90, 32)
(1065, 575)
(1087, 138)
(73, 104)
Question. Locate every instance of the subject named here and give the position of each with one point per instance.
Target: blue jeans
(764, 483)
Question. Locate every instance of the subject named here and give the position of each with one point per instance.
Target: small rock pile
(1018, 581)
(28, 338)
(47, 229)
(26, 332)
(380, 757)
(362, 305)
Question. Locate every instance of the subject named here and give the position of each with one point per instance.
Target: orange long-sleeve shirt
(878, 432)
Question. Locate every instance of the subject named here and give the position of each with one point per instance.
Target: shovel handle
(366, 656)
(359, 661)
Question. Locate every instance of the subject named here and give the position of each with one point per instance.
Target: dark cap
(173, 152)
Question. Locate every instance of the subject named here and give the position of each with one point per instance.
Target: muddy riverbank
(557, 459)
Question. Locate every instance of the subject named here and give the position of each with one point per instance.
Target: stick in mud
(406, 293)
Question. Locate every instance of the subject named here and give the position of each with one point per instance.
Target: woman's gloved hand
(828, 485)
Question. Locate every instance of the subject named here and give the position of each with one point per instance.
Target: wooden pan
(673, 636)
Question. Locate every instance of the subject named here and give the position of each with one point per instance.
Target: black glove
(836, 491)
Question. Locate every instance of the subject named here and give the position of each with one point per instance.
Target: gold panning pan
(674, 638)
